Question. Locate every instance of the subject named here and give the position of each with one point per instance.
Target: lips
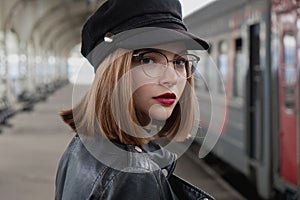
(166, 99)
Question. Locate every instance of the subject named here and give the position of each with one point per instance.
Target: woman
(142, 92)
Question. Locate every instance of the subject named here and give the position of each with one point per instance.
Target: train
(256, 46)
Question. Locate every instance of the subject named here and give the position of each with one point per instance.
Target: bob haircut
(94, 112)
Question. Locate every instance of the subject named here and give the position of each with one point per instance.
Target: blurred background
(255, 45)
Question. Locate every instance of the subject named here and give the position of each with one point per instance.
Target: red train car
(256, 47)
(286, 31)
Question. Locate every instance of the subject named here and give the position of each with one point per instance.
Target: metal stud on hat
(109, 37)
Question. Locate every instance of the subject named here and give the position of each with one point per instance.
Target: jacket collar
(117, 155)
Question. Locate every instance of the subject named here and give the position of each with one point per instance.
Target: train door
(255, 94)
(288, 95)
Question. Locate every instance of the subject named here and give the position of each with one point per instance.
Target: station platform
(30, 151)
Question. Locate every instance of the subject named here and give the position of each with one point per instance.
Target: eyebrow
(159, 51)
(147, 49)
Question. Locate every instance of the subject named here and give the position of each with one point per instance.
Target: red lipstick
(166, 98)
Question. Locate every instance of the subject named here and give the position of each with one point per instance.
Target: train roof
(214, 9)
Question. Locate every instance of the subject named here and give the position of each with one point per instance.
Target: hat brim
(145, 37)
(152, 36)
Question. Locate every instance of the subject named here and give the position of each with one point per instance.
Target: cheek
(141, 99)
(140, 79)
(181, 85)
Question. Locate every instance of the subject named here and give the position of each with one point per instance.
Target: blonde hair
(93, 114)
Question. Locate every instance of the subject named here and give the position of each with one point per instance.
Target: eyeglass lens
(155, 63)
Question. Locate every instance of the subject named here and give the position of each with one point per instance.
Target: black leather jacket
(81, 176)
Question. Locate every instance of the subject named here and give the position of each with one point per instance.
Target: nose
(169, 76)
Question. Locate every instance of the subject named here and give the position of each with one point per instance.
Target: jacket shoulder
(77, 172)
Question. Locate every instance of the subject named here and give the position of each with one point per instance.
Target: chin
(160, 113)
(159, 117)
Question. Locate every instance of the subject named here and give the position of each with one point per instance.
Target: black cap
(134, 24)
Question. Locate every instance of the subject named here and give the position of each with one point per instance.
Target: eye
(180, 63)
(147, 61)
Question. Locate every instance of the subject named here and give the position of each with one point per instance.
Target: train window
(240, 69)
(223, 63)
(201, 77)
(203, 71)
(289, 43)
(275, 49)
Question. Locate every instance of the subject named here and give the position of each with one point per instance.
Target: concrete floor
(30, 150)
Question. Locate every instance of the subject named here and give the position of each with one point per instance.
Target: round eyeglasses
(155, 63)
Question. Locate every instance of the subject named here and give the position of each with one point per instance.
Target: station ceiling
(47, 25)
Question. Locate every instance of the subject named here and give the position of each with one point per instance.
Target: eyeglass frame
(140, 56)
